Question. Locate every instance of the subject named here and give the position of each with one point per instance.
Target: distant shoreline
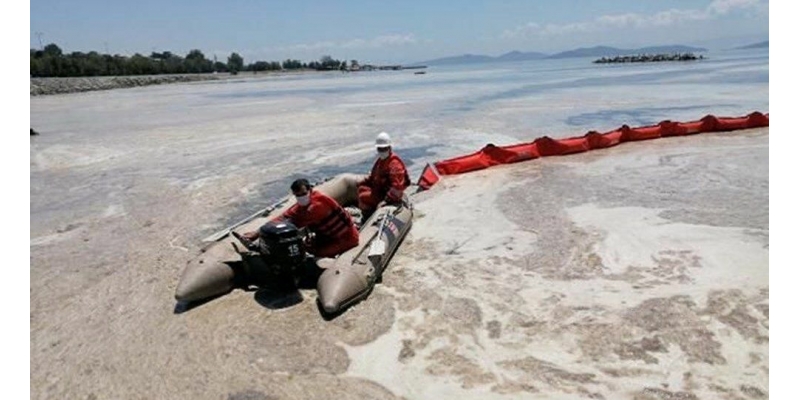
(53, 85)
(65, 85)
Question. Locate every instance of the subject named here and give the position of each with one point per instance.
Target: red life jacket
(382, 180)
(323, 216)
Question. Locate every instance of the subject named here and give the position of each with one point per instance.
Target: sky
(396, 31)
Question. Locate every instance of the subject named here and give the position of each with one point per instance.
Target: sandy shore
(635, 272)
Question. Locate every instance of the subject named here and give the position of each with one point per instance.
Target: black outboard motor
(282, 252)
(281, 240)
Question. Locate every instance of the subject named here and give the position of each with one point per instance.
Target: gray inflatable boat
(227, 261)
(351, 276)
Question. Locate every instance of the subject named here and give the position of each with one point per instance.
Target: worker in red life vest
(333, 228)
(387, 181)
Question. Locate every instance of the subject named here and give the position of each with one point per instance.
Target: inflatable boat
(229, 260)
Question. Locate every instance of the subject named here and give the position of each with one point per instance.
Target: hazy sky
(384, 31)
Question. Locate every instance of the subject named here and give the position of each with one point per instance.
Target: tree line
(52, 62)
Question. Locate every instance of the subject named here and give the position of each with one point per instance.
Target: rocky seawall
(46, 86)
(641, 58)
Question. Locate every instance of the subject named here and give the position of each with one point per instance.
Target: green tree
(259, 66)
(326, 62)
(52, 50)
(51, 61)
(235, 63)
(195, 55)
(196, 62)
(140, 65)
(220, 66)
(36, 66)
(93, 64)
(292, 64)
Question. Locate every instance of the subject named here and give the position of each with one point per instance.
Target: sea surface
(556, 278)
(271, 129)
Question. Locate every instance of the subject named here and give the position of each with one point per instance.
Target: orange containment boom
(545, 146)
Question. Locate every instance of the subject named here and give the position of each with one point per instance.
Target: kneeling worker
(333, 228)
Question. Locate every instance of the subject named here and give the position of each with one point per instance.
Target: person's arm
(253, 235)
(288, 215)
(397, 180)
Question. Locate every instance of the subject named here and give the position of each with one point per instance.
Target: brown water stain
(753, 392)
(549, 373)
(495, 328)
(514, 387)
(732, 308)
(464, 315)
(575, 259)
(640, 350)
(651, 393)
(674, 320)
(250, 395)
(627, 372)
(406, 352)
(446, 362)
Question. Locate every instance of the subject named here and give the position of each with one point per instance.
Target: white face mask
(383, 154)
(304, 200)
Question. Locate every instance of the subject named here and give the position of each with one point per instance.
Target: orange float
(545, 146)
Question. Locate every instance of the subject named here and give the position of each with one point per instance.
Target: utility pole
(39, 35)
(105, 44)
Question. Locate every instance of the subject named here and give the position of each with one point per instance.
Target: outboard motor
(282, 253)
(282, 242)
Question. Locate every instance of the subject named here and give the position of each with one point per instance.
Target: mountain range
(759, 45)
(597, 51)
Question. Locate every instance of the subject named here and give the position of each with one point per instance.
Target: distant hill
(463, 59)
(759, 45)
(605, 51)
(521, 56)
(669, 49)
(598, 51)
(476, 59)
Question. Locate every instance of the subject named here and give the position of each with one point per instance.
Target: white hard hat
(383, 140)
